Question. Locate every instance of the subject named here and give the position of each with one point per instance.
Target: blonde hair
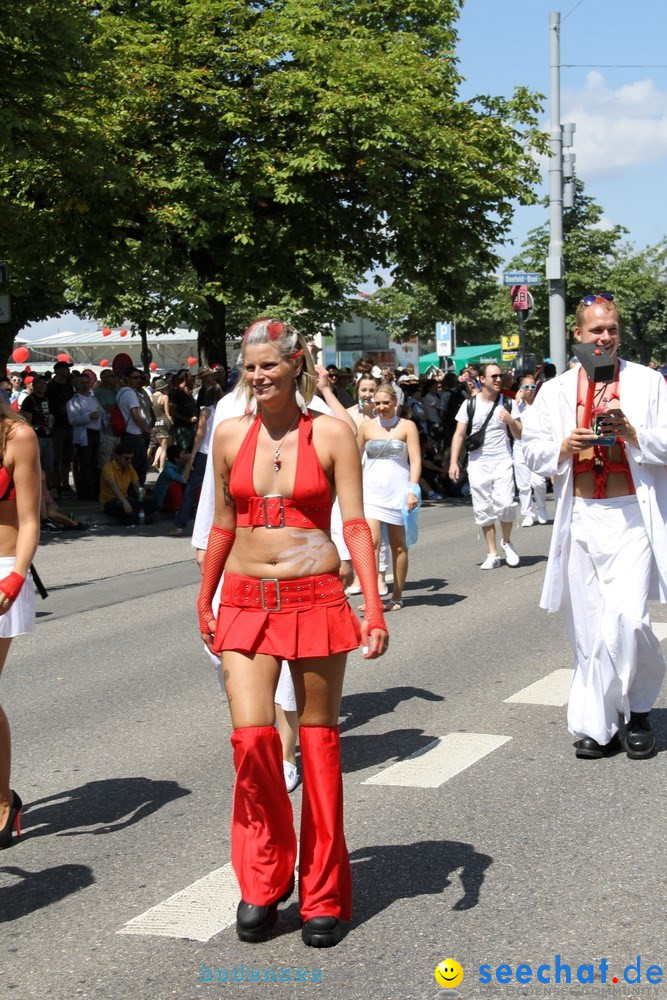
(290, 344)
(389, 389)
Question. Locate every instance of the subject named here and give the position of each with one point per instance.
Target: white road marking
(439, 761)
(660, 629)
(199, 912)
(550, 690)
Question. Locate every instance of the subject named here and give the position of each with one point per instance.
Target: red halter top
(310, 505)
(7, 487)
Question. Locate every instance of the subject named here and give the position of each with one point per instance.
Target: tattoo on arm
(229, 500)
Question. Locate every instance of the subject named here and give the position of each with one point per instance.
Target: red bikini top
(7, 487)
(310, 505)
(601, 464)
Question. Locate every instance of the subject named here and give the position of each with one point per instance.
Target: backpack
(116, 418)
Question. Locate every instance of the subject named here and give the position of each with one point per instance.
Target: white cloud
(618, 128)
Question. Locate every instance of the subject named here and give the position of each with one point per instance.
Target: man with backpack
(136, 432)
(484, 425)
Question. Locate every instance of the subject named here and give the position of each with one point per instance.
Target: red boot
(325, 877)
(263, 838)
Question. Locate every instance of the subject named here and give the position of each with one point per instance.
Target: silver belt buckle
(262, 595)
(265, 510)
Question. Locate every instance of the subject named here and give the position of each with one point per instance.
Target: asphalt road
(121, 754)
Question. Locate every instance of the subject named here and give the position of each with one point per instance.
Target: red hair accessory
(297, 354)
(275, 330)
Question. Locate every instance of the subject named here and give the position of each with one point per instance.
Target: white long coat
(643, 399)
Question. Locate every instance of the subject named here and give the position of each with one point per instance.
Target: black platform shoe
(589, 749)
(639, 736)
(322, 932)
(253, 923)
(13, 822)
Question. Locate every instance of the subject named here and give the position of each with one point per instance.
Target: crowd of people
(298, 477)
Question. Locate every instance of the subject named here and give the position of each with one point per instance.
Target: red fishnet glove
(11, 585)
(219, 546)
(358, 538)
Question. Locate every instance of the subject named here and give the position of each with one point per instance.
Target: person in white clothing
(608, 552)
(84, 414)
(528, 483)
(490, 468)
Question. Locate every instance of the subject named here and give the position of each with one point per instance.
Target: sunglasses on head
(588, 300)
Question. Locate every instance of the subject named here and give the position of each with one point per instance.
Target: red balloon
(20, 354)
(106, 331)
(104, 362)
(123, 333)
(153, 366)
(192, 361)
(63, 357)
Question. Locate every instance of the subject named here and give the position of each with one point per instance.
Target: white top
(208, 433)
(126, 400)
(79, 409)
(496, 439)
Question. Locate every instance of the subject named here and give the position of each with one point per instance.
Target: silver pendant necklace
(276, 451)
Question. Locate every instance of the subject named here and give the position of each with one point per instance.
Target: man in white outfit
(490, 468)
(608, 552)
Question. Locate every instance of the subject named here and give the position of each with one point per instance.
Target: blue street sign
(522, 278)
(443, 337)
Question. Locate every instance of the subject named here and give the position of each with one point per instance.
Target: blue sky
(620, 110)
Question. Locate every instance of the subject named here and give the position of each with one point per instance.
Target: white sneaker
(542, 520)
(527, 521)
(291, 775)
(491, 562)
(511, 555)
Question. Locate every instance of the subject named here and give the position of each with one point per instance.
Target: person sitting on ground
(119, 487)
(50, 517)
(171, 482)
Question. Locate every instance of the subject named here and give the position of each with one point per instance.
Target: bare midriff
(282, 553)
(9, 528)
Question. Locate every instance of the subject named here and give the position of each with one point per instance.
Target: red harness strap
(601, 464)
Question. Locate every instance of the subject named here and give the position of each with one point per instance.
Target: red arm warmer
(11, 585)
(359, 541)
(219, 546)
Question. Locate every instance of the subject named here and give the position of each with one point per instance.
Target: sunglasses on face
(529, 386)
(494, 376)
(589, 300)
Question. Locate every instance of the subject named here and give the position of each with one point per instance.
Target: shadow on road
(40, 889)
(110, 805)
(358, 709)
(360, 752)
(387, 872)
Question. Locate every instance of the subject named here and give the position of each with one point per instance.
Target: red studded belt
(271, 594)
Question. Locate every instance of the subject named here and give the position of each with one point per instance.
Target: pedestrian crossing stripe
(550, 690)
(441, 760)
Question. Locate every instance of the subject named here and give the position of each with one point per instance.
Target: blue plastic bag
(410, 517)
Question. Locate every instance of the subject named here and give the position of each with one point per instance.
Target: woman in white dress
(392, 468)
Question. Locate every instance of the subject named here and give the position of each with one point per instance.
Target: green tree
(639, 283)
(283, 149)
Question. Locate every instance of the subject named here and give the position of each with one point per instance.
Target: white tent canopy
(170, 351)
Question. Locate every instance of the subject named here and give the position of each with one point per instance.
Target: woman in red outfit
(20, 493)
(276, 474)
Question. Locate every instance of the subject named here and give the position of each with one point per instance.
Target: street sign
(444, 345)
(510, 343)
(5, 309)
(522, 278)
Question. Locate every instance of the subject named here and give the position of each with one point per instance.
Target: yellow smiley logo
(449, 973)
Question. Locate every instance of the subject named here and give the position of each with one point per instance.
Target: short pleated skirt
(21, 616)
(290, 619)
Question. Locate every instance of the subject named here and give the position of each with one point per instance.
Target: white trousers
(529, 483)
(492, 489)
(618, 662)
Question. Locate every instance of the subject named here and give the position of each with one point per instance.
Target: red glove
(219, 546)
(11, 586)
(358, 538)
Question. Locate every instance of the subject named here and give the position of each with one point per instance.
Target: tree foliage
(278, 150)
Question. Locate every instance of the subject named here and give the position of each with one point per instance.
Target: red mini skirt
(290, 619)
